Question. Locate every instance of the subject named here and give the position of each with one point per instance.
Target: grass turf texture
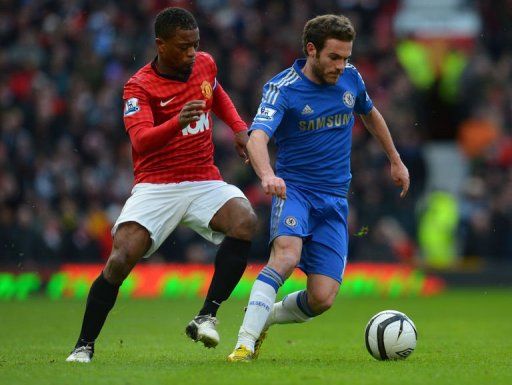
(465, 337)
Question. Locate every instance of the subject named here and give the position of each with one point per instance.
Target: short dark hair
(321, 28)
(170, 19)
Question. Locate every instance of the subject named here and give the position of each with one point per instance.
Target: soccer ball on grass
(390, 335)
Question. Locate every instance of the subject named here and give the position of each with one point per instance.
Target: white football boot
(202, 328)
(81, 354)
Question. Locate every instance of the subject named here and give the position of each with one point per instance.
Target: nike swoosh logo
(163, 104)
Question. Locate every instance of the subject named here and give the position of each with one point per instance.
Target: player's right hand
(400, 175)
(191, 112)
(273, 185)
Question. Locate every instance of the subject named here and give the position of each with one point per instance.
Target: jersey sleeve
(212, 67)
(139, 122)
(211, 62)
(222, 105)
(363, 103)
(271, 110)
(224, 108)
(136, 106)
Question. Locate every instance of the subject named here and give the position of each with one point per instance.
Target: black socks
(100, 301)
(230, 263)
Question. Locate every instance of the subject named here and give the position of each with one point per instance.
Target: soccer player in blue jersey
(309, 111)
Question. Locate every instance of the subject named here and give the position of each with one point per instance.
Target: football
(390, 335)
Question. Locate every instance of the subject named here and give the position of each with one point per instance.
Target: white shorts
(161, 207)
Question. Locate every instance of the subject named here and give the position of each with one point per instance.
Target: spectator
(65, 158)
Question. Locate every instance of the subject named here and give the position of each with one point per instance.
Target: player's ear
(311, 49)
(159, 44)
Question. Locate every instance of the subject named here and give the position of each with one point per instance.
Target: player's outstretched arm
(375, 123)
(260, 160)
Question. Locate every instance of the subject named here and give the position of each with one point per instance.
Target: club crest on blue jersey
(131, 106)
(290, 222)
(349, 99)
(265, 113)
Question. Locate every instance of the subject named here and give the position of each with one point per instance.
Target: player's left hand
(241, 139)
(400, 175)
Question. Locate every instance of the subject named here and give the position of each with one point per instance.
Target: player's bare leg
(131, 242)
(237, 220)
(322, 291)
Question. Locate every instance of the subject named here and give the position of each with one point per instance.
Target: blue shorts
(321, 221)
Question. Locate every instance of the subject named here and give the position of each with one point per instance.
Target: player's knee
(284, 264)
(287, 246)
(249, 223)
(285, 255)
(320, 301)
(287, 250)
(244, 227)
(117, 268)
(131, 242)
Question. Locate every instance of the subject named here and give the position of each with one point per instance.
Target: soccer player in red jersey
(167, 114)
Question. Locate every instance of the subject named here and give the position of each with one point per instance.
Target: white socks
(263, 312)
(261, 302)
(292, 309)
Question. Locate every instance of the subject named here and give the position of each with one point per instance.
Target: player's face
(178, 52)
(329, 63)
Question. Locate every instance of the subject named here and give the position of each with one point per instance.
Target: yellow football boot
(241, 354)
(257, 344)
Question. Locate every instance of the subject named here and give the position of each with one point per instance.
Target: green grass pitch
(465, 337)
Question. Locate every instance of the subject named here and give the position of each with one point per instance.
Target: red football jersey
(163, 151)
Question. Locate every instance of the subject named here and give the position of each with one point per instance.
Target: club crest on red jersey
(206, 89)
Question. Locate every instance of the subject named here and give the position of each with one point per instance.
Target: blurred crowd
(65, 159)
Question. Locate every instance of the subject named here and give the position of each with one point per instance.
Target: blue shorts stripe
(276, 217)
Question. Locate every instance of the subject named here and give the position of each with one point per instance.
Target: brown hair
(321, 28)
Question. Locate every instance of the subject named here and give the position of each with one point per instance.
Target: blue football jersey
(312, 126)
